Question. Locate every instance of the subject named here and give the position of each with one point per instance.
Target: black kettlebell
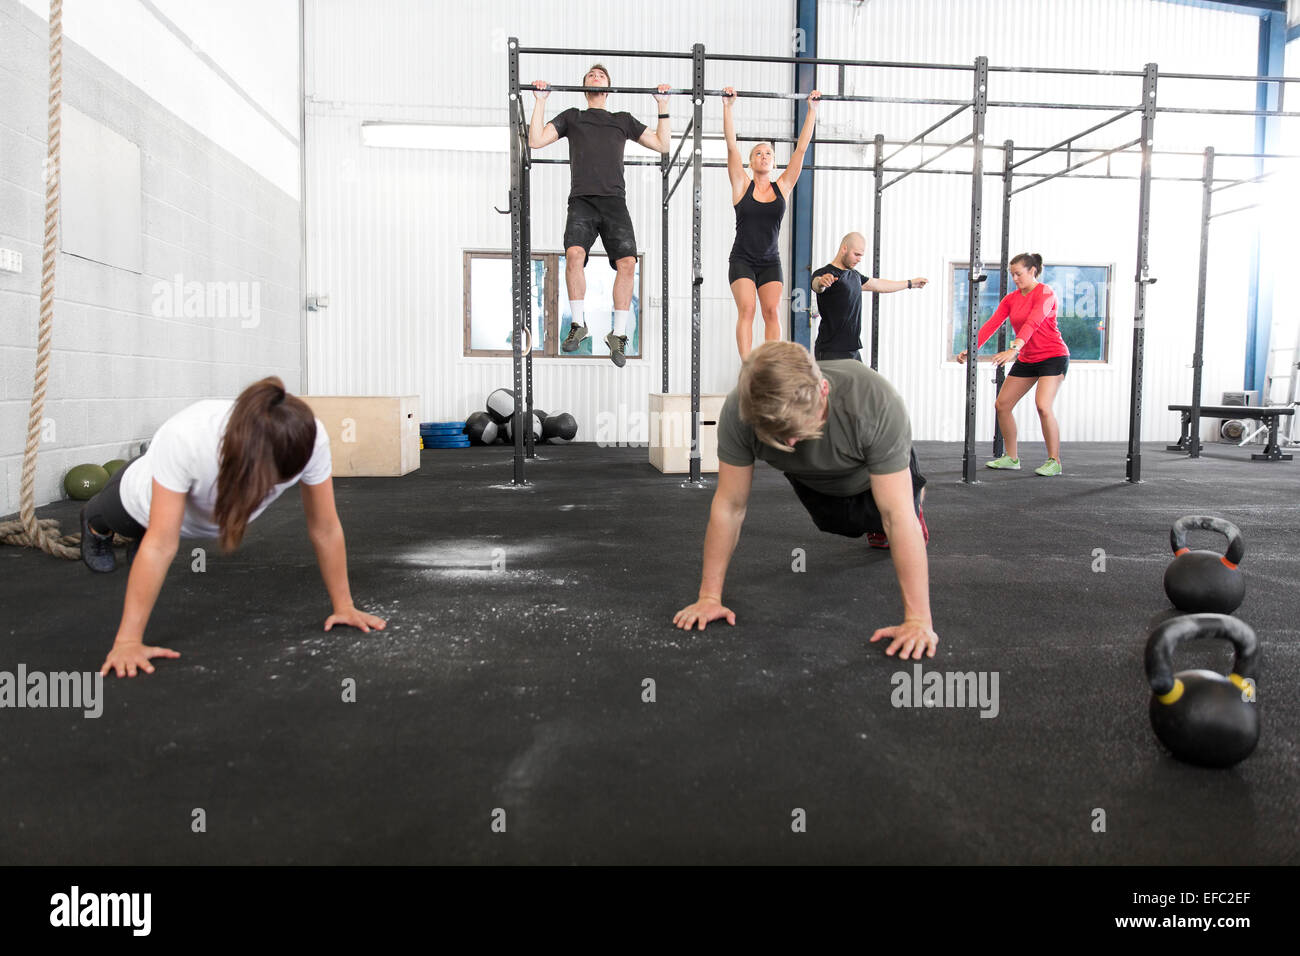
(1201, 716)
(1205, 581)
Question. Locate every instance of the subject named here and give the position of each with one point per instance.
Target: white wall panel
(387, 227)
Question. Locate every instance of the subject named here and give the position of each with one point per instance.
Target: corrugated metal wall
(387, 227)
(925, 223)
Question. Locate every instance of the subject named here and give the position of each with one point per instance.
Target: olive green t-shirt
(866, 432)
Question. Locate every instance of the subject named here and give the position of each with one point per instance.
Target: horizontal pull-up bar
(1098, 107)
(1065, 71)
(1224, 76)
(604, 89)
(927, 131)
(826, 61)
(571, 51)
(1214, 112)
(1071, 139)
(1078, 165)
(841, 98)
(927, 162)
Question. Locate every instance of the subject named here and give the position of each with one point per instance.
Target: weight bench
(1266, 415)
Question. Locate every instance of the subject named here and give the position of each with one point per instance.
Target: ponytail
(1031, 260)
(269, 438)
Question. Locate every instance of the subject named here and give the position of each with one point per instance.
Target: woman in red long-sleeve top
(1040, 356)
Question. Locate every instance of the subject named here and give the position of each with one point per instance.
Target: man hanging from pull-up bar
(596, 196)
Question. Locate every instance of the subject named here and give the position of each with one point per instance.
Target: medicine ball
(481, 429)
(114, 466)
(561, 427)
(501, 405)
(84, 481)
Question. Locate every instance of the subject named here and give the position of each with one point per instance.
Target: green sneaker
(617, 344)
(1006, 461)
(1049, 468)
(574, 339)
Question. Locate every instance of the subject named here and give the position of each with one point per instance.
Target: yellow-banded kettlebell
(1204, 717)
(1205, 581)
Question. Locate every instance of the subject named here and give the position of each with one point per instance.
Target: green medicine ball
(84, 481)
(114, 466)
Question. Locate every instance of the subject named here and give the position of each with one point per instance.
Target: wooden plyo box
(670, 432)
(371, 436)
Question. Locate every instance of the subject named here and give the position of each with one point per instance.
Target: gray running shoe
(576, 334)
(617, 343)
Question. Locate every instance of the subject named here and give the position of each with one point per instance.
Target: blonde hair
(780, 394)
(761, 142)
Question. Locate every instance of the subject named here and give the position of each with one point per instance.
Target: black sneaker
(617, 343)
(96, 548)
(576, 334)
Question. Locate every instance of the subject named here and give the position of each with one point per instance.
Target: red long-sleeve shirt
(1033, 318)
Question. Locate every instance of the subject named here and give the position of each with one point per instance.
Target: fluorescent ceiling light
(468, 139)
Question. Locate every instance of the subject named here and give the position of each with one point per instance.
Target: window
(1082, 308)
(489, 300)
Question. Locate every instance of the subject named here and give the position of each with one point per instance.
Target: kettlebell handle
(1189, 627)
(1236, 544)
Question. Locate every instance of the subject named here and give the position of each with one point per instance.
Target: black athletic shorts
(1050, 366)
(105, 510)
(828, 356)
(855, 515)
(758, 274)
(604, 216)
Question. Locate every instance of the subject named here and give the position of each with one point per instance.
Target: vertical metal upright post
(526, 252)
(697, 269)
(979, 106)
(802, 207)
(875, 247)
(666, 162)
(1000, 375)
(1198, 352)
(518, 214)
(1133, 469)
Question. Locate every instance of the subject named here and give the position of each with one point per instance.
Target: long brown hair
(269, 438)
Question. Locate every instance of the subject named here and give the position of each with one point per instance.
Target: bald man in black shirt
(839, 287)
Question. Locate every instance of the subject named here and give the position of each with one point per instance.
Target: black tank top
(758, 224)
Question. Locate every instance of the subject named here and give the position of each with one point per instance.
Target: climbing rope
(27, 531)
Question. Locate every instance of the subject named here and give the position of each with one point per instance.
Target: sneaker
(1049, 468)
(96, 548)
(576, 334)
(1006, 461)
(877, 540)
(617, 343)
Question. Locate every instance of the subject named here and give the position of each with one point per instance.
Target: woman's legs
(102, 516)
(744, 293)
(769, 300)
(1044, 397)
(1013, 390)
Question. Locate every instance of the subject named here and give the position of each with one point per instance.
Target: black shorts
(1047, 367)
(604, 216)
(105, 510)
(855, 515)
(760, 274)
(826, 355)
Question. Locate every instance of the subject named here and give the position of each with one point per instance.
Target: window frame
(554, 262)
(950, 317)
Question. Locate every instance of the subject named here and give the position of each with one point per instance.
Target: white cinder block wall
(387, 227)
(219, 205)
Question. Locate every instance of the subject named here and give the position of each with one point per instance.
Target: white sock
(621, 320)
(576, 309)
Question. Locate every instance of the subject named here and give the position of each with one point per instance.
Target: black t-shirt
(596, 141)
(841, 311)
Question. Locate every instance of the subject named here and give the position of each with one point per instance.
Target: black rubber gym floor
(522, 624)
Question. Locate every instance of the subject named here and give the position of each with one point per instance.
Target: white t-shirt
(184, 456)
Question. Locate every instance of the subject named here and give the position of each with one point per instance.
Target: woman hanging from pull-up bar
(755, 270)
